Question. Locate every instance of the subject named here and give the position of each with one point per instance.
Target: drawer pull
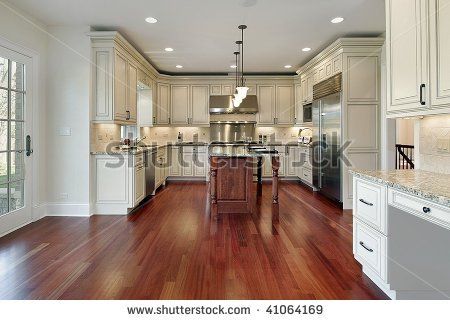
(365, 202)
(365, 247)
(426, 210)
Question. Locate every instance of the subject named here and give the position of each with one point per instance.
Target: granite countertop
(431, 186)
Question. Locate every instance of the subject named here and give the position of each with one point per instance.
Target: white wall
(23, 30)
(68, 108)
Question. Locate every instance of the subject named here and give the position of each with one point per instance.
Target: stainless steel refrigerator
(326, 116)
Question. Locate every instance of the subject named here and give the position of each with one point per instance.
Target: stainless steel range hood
(224, 105)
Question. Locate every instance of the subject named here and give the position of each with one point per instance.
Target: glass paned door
(14, 127)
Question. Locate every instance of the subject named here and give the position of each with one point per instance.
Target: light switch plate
(65, 131)
(443, 145)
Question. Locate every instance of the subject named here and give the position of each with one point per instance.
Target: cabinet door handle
(169, 120)
(128, 115)
(426, 210)
(422, 87)
(365, 247)
(365, 202)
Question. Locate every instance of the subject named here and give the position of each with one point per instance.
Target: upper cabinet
(115, 79)
(418, 74)
(285, 107)
(276, 105)
(298, 116)
(199, 112)
(440, 54)
(163, 104)
(190, 105)
(179, 103)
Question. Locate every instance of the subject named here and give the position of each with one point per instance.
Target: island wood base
(232, 189)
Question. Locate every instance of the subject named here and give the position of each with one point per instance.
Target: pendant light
(241, 88)
(237, 100)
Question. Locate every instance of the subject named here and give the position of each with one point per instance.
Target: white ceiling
(203, 32)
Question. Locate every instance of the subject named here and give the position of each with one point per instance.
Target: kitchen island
(232, 189)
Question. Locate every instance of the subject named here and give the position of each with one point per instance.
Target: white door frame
(36, 209)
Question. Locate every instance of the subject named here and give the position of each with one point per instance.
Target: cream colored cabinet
(188, 164)
(407, 57)
(440, 54)
(292, 161)
(215, 90)
(307, 84)
(118, 188)
(200, 164)
(227, 89)
(199, 107)
(221, 89)
(267, 104)
(161, 167)
(120, 87)
(285, 106)
(132, 92)
(298, 119)
(114, 87)
(146, 117)
(175, 162)
(139, 183)
(179, 103)
(163, 104)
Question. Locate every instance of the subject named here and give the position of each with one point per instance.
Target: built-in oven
(307, 112)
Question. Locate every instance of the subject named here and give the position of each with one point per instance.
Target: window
(12, 129)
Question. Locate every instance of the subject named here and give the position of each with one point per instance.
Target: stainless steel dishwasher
(149, 162)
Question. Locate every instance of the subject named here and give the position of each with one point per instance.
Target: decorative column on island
(232, 189)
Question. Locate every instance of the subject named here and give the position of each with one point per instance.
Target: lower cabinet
(188, 162)
(161, 166)
(119, 183)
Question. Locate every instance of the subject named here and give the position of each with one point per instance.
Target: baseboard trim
(67, 209)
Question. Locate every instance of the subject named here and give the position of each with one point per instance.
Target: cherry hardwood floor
(170, 249)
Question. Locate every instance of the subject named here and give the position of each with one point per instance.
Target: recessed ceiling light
(179, 66)
(337, 20)
(151, 20)
(233, 66)
(169, 49)
(306, 49)
(288, 66)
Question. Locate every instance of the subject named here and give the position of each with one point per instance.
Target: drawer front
(370, 204)
(429, 211)
(369, 247)
(307, 175)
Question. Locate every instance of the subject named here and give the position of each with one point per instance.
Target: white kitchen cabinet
(307, 83)
(163, 104)
(407, 56)
(199, 106)
(132, 92)
(161, 167)
(215, 90)
(175, 162)
(227, 89)
(298, 119)
(179, 102)
(285, 106)
(120, 87)
(440, 54)
(188, 164)
(119, 183)
(292, 161)
(267, 104)
(200, 164)
(139, 183)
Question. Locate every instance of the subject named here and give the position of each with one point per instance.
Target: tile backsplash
(102, 135)
(434, 138)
